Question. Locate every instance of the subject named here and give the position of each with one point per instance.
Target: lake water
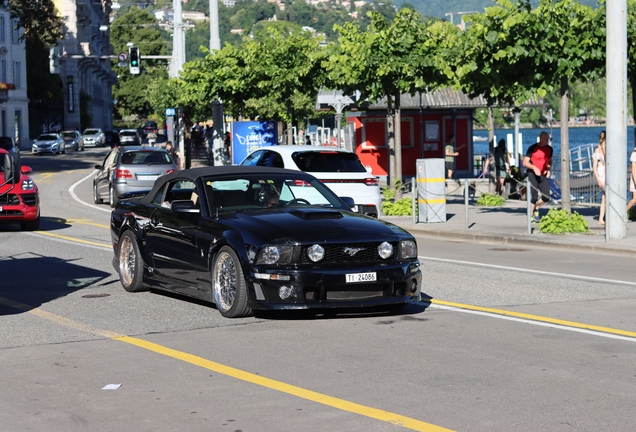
(578, 136)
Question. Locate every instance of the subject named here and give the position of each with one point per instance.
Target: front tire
(228, 285)
(33, 225)
(131, 266)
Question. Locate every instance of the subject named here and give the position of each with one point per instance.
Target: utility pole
(178, 41)
(217, 105)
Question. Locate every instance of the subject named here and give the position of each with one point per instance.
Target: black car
(257, 238)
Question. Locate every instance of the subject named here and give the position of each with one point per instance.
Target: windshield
(91, 132)
(259, 191)
(128, 133)
(47, 137)
(68, 135)
(328, 161)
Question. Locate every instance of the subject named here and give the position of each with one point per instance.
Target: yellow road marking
(341, 404)
(538, 318)
(78, 221)
(73, 239)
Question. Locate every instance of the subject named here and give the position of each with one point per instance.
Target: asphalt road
(519, 339)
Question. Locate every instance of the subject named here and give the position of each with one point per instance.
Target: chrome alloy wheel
(127, 261)
(225, 281)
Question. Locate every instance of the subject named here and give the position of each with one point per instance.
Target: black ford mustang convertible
(255, 238)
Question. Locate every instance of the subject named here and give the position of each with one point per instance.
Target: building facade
(14, 104)
(85, 64)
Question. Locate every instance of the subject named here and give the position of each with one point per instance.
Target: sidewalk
(508, 225)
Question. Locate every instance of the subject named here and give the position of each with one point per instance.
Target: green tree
(385, 61)
(572, 48)
(140, 28)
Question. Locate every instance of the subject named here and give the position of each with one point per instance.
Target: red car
(19, 202)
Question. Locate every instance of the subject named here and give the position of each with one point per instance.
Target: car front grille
(9, 199)
(30, 199)
(335, 254)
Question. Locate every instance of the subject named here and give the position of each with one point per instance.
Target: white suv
(339, 169)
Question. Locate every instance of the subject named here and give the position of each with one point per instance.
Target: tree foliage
(39, 19)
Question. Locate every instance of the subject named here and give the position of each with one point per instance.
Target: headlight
(316, 253)
(385, 250)
(28, 184)
(408, 249)
(276, 254)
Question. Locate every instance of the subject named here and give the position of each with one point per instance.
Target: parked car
(248, 238)
(48, 143)
(129, 169)
(19, 200)
(94, 137)
(129, 137)
(73, 140)
(9, 145)
(339, 169)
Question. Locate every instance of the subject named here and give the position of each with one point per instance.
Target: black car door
(171, 239)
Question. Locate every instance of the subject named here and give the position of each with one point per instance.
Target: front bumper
(19, 207)
(328, 289)
(45, 149)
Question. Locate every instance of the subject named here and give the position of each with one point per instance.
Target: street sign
(170, 112)
(122, 57)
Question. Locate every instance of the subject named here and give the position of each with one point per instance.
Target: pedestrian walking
(598, 165)
(227, 147)
(538, 161)
(450, 153)
(632, 183)
(502, 166)
(196, 134)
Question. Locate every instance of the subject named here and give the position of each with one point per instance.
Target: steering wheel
(298, 201)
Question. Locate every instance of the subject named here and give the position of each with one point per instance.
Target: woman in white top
(599, 172)
(632, 186)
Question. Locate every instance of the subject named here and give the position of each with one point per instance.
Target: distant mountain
(439, 8)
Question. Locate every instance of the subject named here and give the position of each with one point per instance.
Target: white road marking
(516, 269)
(76, 198)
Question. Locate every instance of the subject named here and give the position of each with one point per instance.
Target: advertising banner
(250, 136)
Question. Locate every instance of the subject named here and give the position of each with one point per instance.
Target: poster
(250, 136)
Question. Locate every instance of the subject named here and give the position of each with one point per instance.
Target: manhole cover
(509, 250)
(95, 295)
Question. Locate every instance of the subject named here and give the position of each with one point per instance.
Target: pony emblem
(352, 251)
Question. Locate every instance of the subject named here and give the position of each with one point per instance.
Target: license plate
(147, 177)
(361, 277)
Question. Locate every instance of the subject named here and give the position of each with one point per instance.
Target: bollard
(529, 206)
(466, 203)
(414, 198)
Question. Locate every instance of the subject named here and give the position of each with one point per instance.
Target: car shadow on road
(30, 280)
(71, 161)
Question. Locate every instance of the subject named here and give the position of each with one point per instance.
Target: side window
(179, 190)
(252, 160)
(158, 200)
(271, 159)
(108, 160)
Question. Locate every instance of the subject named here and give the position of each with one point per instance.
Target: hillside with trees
(438, 8)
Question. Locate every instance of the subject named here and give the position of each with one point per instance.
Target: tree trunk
(390, 131)
(565, 147)
(492, 181)
(398, 146)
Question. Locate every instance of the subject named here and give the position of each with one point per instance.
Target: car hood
(45, 141)
(310, 226)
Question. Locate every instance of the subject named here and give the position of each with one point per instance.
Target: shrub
(401, 207)
(560, 222)
(490, 200)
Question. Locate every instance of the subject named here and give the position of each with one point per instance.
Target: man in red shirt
(538, 161)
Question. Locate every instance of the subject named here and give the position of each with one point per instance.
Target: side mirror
(98, 167)
(12, 168)
(26, 169)
(348, 201)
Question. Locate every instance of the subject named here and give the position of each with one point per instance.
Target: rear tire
(96, 198)
(131, 266)
(112, 196)
(229, 289)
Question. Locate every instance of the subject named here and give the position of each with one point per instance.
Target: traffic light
(133, 55)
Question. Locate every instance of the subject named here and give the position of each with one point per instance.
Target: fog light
(413, 286)
(286, 292)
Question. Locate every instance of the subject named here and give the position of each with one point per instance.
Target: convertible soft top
(194, 173)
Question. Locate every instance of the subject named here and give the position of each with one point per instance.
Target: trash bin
(431, 190)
